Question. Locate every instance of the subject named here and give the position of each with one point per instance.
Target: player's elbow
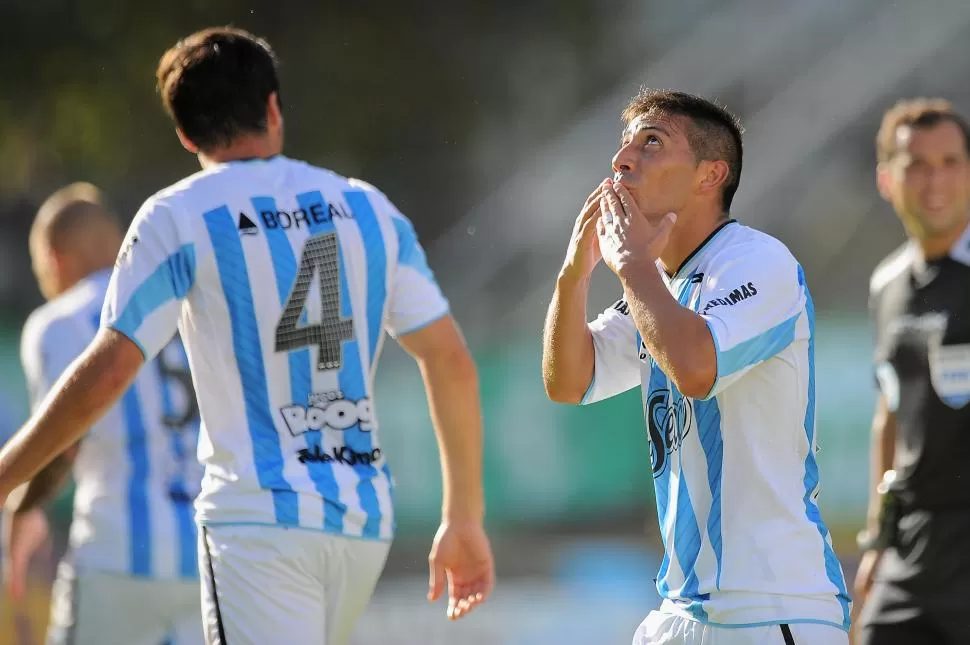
(454, 364)
(694, 380)
(560, 390)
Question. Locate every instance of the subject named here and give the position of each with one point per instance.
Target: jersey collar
(689, 260)
(961, 250)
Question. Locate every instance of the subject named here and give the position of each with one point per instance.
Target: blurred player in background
(282, 278)
(717, 325)
(130, 575)
(914, 577)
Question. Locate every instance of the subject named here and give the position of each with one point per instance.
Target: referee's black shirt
(921, 313)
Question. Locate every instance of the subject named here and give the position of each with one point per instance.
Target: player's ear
(884, 181)
(186, 143)
(712, 175)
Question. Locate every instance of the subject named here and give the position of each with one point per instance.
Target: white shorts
(97, 608)
(271, 584)
(669, 629)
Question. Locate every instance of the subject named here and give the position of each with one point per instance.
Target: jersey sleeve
(616, 367)
(153, 275)
(416, 299)
(755, 304)
(47, 348)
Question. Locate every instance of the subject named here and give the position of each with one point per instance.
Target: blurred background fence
(488, 124)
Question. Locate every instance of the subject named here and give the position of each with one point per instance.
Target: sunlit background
(488, 124)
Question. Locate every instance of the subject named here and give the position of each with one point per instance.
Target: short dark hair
(215, 85)
(714, 133)
(916, 113)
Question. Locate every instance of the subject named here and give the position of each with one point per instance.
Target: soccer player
(282, 279)
(716, 325)
(131, 573)
(915, 567)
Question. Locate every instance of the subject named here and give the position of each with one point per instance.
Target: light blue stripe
(140, 554)
(409, 252)
(832, 567)
(376, 260)
(708, 419)
(321, 472)
(172, 280)
(234, 276)
(661, 482)
(757, 349)
(188, 537)
(375, 248)
(707, 416)
(687, 544)
(354, 386)
(179, 497)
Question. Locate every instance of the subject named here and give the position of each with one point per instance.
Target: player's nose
(623, 160)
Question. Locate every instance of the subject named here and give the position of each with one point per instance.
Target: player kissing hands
(625, 236)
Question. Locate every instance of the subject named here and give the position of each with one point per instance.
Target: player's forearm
(567, 344)
(44, 486)
(451, 381)
(677, 338)
(83, 394)
(881, 455)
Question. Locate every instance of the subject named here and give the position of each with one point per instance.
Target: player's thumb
(436, 582)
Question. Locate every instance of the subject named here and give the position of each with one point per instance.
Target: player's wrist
(572, 276)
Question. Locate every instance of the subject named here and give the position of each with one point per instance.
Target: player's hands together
(24, 534)
(462, 555)
(625, 236)
(583, 252)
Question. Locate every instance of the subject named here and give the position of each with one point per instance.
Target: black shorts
(921, 592)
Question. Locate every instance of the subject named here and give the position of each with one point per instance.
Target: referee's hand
(462, 555)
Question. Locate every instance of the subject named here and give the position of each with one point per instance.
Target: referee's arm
(881, 455)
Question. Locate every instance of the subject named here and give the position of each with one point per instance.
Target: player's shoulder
(891, 267)
(69, 312)
(740, 245)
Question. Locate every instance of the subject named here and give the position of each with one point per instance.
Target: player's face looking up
(656, 164)
(927, 180)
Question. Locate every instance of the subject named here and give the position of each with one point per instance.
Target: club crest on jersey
(669, 418)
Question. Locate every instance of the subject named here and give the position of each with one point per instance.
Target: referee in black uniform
(913, 584)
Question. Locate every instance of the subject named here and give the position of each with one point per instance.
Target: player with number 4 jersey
(282, 279)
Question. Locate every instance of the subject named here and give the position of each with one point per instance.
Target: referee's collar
(961, 250)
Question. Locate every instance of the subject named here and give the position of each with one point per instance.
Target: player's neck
(687, 238)
(241, 149)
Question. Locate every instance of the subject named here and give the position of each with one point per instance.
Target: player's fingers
(614, 204)
(436, 581)
(626, 199)
(594, 196)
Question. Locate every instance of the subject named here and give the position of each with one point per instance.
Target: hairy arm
(451, 382)
(678, 339)
(93, 383)
(567, 343)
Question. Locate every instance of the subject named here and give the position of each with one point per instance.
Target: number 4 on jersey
(321, 258)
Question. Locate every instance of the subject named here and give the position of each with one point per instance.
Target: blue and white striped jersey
(136, 472)
(735, 473)
(282, 279)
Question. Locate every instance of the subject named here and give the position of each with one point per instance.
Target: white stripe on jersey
(227, 247)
